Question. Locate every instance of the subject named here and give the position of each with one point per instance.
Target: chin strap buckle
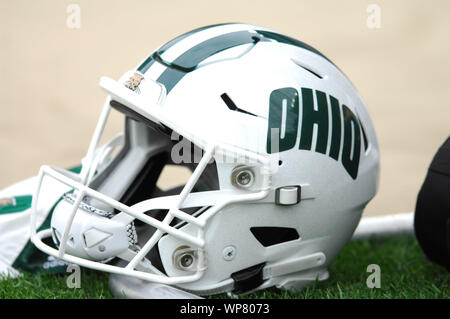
(248, 279)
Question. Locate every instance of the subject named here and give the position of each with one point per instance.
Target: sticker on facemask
(134, 82)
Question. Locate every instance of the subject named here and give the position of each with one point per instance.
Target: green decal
(190, 59)
(366, 143)
(283, 120)
(351, 138)
(150, 60)
(311, 117)
(336, 128)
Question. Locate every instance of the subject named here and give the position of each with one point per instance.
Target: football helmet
(282, 150)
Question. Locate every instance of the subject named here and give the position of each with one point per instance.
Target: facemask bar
(128, 214)
(90, 156)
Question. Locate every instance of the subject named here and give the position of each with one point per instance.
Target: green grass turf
(405, 273)
(93, 285)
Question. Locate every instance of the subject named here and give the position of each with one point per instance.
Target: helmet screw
(186, 260)
(242, 177)
(229, 253)
(101, 248)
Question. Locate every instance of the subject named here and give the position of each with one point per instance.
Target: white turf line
(387, 225)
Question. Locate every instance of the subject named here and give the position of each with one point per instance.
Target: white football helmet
(283, 155)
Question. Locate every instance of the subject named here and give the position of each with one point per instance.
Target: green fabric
(19, 204)
(76, 169)
(33, 260)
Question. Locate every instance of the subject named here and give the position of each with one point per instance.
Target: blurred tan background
(50, 99)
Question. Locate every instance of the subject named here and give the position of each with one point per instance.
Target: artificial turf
(405, 273)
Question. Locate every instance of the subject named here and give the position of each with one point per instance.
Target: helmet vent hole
(308, 68)
(255, 39)
(269, 236)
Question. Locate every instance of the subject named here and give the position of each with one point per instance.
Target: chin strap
(131, 229)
